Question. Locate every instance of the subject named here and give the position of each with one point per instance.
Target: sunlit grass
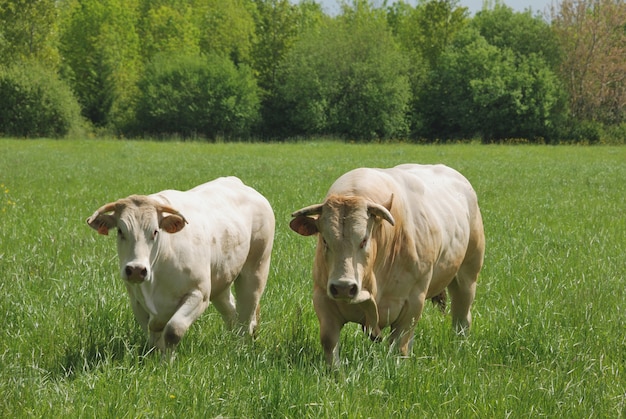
(549, 319)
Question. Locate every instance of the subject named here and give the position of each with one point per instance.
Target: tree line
(275, 69)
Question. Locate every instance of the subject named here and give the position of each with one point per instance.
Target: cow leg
(141, 315)
(462, 290)
(329, 338)
(330, 327)
(225, 305)
(249, 287)
(192, 306)
(402, 330)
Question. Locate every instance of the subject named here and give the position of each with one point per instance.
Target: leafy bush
(197, 96)
(36, 103)
(480, 89)
(581, 131)
(349, 79)
(614, 134)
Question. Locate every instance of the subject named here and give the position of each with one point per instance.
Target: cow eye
(155, 233)
(363, 243)
(120, 235)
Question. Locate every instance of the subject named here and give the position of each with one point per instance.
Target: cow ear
(303, 225)
(102, 223)
(172, 223)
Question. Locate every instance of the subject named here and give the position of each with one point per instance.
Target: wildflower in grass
(5, 200)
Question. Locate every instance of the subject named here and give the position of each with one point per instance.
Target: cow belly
(389, 311)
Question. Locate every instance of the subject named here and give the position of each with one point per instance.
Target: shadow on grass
(98, 340)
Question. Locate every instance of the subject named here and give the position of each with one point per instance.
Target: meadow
(549, 330)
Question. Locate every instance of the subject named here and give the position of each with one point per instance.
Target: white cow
(388, 239)
(179, 250)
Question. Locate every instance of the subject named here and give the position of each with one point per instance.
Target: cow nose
(136, 273)
(343, 291)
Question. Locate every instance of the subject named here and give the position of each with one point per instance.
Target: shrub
(197, 96)
(36, 103)
(614, 134)
(349, 79)
(581, 131)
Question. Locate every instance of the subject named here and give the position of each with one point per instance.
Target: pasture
(549, 328)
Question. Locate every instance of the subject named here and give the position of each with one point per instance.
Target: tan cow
(388, 239)
(179, 250)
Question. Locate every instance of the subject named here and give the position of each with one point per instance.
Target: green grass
(549, 336)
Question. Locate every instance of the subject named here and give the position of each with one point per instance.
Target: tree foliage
(375, 70)
(521, 32)
(349, 78)
(166, 27)
(28, 31)
(35, 103)
(492, 93)
(592, 35)
(197, 96)
(279, 25)
(100, 48)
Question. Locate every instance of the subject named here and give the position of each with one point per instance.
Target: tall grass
(549, 319)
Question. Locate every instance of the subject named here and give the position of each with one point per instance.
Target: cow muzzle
(343, 290)
(135, 272)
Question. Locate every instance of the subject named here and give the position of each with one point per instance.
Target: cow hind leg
(462, 291)
(225, 304)
(249, 287)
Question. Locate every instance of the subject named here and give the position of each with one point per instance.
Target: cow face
(139, 222)
(344, 225)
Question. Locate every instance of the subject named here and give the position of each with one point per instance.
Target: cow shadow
(100, 340)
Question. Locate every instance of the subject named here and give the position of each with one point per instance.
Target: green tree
(279, 24)
(197, 96)
(348, 78)
(521, 99)
(424, 32)
(430, 27)
(28, 31)
(521, 32)
(226, 28)
(478, 89)
(167, 26)
(100, 49)
(36, 103)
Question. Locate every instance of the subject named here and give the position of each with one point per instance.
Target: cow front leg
(191, 307)
(402, 330)
(403, 339)
(330, 327)
(329, 338)
(141, 315)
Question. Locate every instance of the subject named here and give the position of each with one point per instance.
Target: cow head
(139, 221)
(344, 225)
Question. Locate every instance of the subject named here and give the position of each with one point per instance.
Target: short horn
(102, 210)
(381, 211)
(315, 209)
(170, 210)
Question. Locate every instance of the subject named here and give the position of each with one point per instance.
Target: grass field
(549, 336)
